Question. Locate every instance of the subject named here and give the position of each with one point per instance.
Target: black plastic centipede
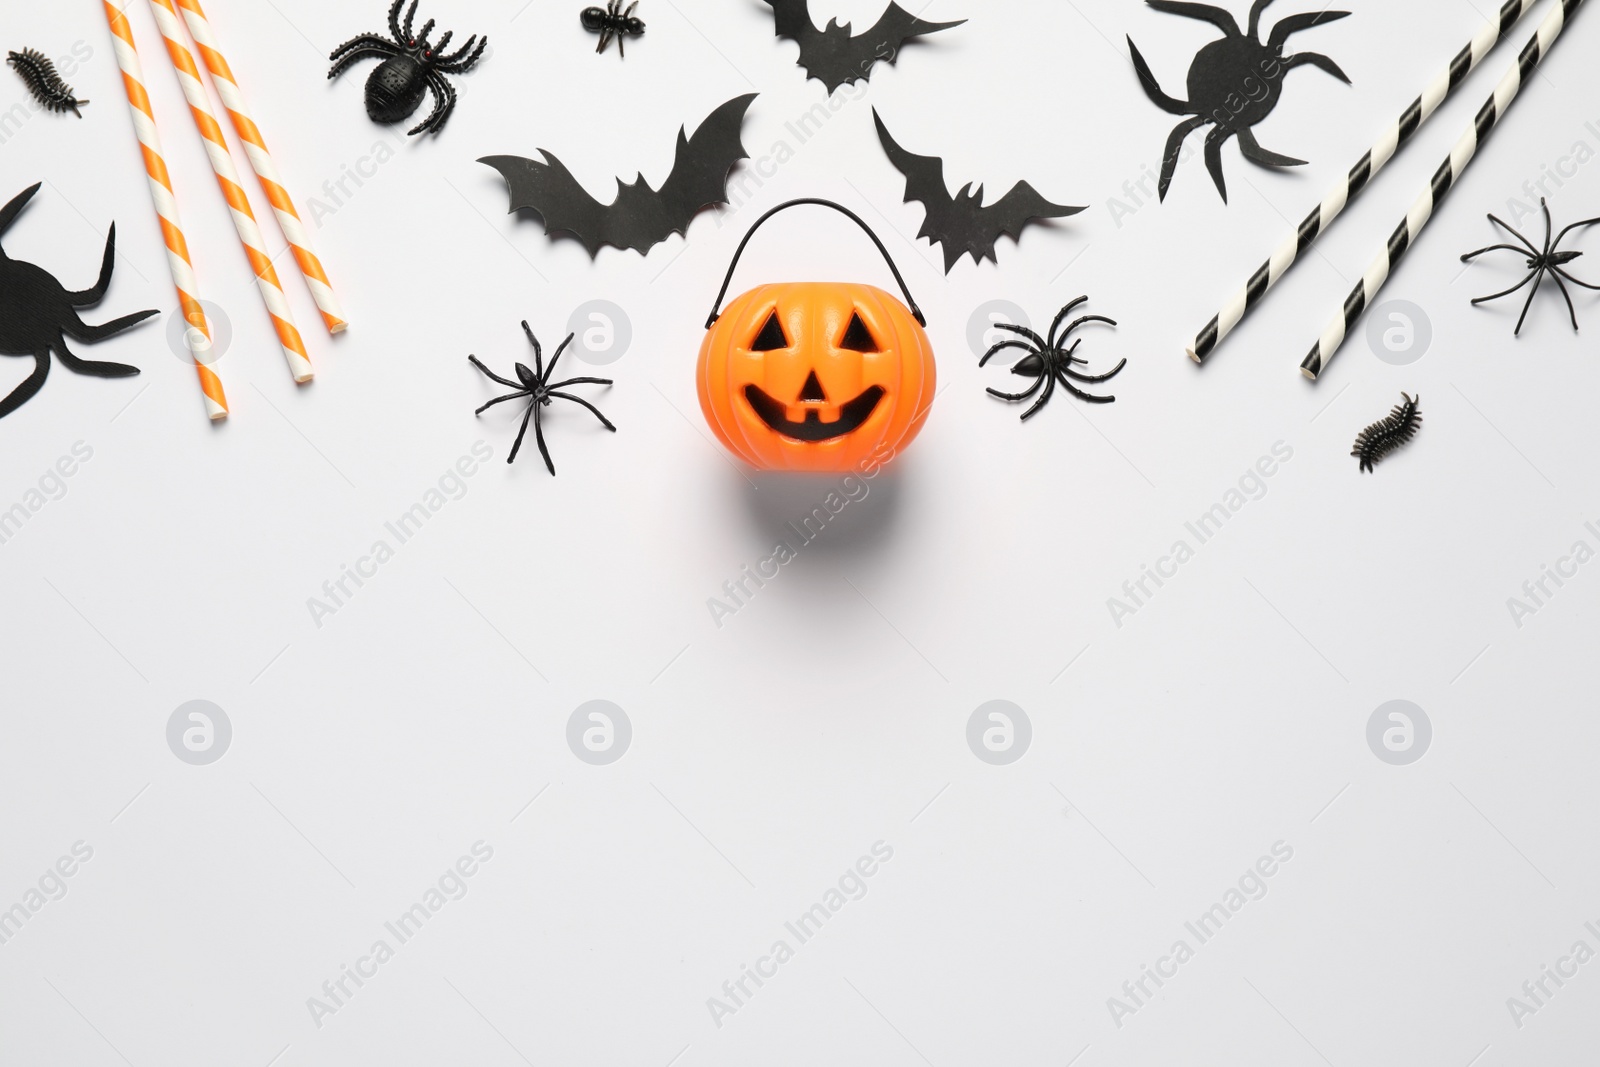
(44, 83)
(1389, 433)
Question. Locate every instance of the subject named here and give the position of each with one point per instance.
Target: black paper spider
(1049, 363)
(536, 386)
(1234, 83)
(411, 67)
(611, 21)
(38, 313)
(1549, 261)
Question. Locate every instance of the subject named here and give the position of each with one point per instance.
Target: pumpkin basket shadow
(847, 518)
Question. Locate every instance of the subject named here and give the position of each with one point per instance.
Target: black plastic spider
(1234, 83)
(1049, 363)
(411, 67)
(611, 21)
(1549, 261)
(536, 386)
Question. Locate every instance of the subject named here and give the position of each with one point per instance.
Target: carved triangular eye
(770, 337)
(856, 338)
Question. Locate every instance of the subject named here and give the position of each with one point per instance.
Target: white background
(1168, 753)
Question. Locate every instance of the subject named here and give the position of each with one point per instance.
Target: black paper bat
(640, 217)
(960, 224)
(832, 56)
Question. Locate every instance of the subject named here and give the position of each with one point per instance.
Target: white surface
(830, 713)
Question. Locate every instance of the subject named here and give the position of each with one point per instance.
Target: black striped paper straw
(1392, 140)
(1444, 179)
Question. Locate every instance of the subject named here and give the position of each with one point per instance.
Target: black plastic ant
(611, 21)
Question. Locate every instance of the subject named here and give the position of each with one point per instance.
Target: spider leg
(30, 386)
(9, 213)
(443, 42)
(1080, 321)
(1470, 256)
(92, 367)
(394, 18)
(1255, 16)
(1025, 394)
(581, 381)
(502, 400)
(1539, 275)
(1549, 225)
(1507, 292)
(1574, 281)
(1002, 345)
(1574, 226)
(1152, 88)
(359, 54)
(1024, 331)
(1504, 225)
(538, 437)
(448, 63)
(1081, 395)
(93, 295)
(1112, 373)
(1318, 60)
(1251, 149)
(538, 353)
(476, 362)
(526, 418)
(1214, 141)
(1568, 298)
(1305, 21)
(560, 349)
(79, 330)
(365, 40)
(427, 28)
(580, 400)
(444, 102)
(1044, 397)
(1065, 310)
(1205, 12)
(1169, 157)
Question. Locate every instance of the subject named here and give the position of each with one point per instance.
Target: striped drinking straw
(244, 220)
(255, 149)
(198, 335)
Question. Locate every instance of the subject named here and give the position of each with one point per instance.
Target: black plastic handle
(716, 309)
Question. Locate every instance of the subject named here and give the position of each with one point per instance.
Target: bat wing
(639, 217)
(961, 225)
(833, 56)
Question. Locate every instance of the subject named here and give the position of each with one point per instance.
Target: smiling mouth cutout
(852, 414)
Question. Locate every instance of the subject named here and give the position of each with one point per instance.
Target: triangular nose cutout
(812, 390)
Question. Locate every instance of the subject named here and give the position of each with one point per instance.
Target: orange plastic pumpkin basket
(815, 376)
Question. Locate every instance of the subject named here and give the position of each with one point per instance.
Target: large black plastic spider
(536, 386)
(1234, 83)
(411, 67)
(1540, 262)
(1049, 362)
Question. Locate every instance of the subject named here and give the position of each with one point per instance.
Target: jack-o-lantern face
(815, 376)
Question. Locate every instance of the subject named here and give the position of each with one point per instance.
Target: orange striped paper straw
(244, 219)
(255, 149)
(198, 335)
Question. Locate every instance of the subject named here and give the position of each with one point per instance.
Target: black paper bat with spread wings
(832, 56)
(640, 217)
(960, 224)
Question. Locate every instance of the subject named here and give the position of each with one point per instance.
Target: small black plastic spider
(536, 386)
(411, 67)
(1549, 261)
(1049, 363)
(611, 21)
